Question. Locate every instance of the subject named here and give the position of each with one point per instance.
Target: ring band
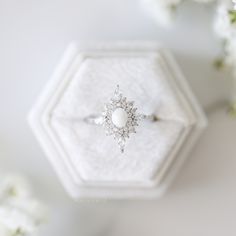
(119, 118)
(98, 119)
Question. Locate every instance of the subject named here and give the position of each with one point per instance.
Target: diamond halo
(120, 118)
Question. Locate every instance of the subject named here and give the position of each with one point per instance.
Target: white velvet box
(88, 162)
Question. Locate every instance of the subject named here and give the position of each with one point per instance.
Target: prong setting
(120, 118)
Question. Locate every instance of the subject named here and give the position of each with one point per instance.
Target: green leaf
(219, 63)
(173, 7)
(232, 110)
(232, 16)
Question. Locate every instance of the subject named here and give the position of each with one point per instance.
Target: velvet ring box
(89, 163)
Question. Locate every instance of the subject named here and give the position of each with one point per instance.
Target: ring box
(88, 163)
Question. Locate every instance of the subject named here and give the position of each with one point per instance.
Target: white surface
(33, 37)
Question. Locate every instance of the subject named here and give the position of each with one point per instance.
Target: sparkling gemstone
(119, 117)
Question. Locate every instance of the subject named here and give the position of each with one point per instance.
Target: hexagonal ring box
(89, 163)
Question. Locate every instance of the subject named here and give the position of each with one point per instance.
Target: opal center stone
(119, 117)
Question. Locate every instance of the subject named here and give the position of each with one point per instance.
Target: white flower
(222, 25)
(20, 213)
(30, 206)
(16, 221)
(162, 11)
(227, 31)
(230, 49)
(14, 186)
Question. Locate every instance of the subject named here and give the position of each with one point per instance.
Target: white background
(33, 36)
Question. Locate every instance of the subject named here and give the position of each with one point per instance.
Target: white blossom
(230, 55)
(20, 213)
(16, 221)
(162, 11)
(222, 24)
(227, 31)
(14, 186)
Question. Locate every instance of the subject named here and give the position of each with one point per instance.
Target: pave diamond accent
(120, 118)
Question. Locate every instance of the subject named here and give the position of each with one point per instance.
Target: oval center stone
(119, 117)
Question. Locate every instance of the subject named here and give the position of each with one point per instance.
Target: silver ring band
(98, 119)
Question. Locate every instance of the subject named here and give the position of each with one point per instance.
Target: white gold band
(99, 120)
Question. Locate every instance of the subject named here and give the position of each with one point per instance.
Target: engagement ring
(119, 118)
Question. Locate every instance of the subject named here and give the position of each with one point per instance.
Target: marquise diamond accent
(120, 118)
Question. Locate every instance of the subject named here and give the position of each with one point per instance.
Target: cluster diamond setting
(120, 118)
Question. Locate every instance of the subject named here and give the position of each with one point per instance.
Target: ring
(119, 118)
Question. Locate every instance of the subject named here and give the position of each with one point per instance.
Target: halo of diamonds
(120, 134)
